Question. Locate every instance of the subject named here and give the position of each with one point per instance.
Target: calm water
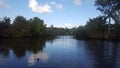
(61, 52)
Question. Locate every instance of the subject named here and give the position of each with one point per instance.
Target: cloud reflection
(38, 57)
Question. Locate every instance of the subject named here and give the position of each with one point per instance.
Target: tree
(96, 27)
(38, 28)
(4, 26)
(51, 31)
(81, 32)
(110, 9)
(19, 21)
(21, 28)
(6, 22)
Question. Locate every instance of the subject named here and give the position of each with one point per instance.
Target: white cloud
(68, 25)
(58, 6)
(65, 25)
(33, 4)
(2, 4)
(42, 56)
(78, 2)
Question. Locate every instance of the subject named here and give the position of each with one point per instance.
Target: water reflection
(37, 53)
(3, 54)
(37, 57)
(4, 51)
(63, 40)
(20, 46)
(103, 54)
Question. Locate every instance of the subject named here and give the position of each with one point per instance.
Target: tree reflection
(20, 46)
(4, 51)
(103, 53)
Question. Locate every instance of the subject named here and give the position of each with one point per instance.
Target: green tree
(96, 27)
(81, 33)
(38, 28)
(51, 31)
(21, 28)
(5, 27)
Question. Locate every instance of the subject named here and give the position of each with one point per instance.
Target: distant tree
(21, 27)
(4, 26)
(81, 32)
(19, 21)
(6, 22)
(96, 27)
(38, 28)
(51, 31)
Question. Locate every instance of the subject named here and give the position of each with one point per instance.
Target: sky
(59, 13)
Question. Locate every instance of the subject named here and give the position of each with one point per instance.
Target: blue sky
(60, 13)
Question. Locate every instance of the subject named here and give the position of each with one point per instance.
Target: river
(60, 52)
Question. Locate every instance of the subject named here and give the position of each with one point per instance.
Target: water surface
(61, 52)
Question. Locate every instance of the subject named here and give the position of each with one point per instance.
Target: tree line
(105, 26)
(22, 27)
(34, 27)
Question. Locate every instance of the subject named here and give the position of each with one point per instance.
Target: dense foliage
(33, 27)
(22, 27)
(101, 27)
(54, 31)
